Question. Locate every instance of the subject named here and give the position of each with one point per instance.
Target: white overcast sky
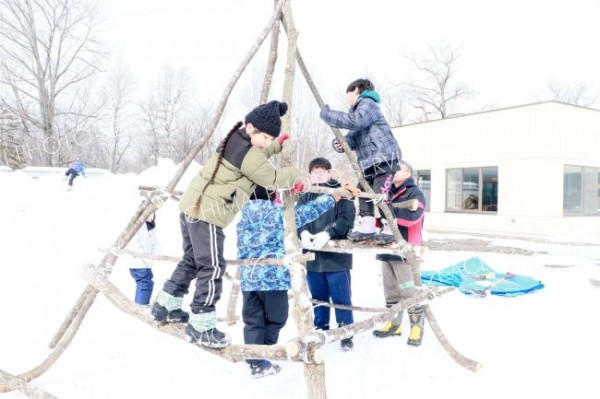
(510, 49)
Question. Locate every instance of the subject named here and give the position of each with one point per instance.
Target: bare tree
(576, 94)
(437, 89)
(252, 89)
(117, 129)
(78, 128)
(11, 140)
(48, 50)
(162, 113)
(394, 105)
(193, 124)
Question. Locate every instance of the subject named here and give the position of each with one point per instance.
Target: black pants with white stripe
(202, 260)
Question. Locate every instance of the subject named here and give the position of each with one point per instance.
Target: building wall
(530, 146)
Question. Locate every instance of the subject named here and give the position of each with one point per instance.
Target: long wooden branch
(233, 353)
(87, 297)
(9, 382)
(412, 204)
(350, 330)
(342, 193)
(464, 361)
(314, 369)
(348, 307)
(266, 87)
(348, 247)
(317, 338)
(432, 291)
(147, 191)
(68, 336)
(230, 262)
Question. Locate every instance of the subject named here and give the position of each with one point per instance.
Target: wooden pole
(266, 87)
(9, 382)
(314, 368)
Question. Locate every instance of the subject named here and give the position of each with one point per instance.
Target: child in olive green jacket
(208, 205)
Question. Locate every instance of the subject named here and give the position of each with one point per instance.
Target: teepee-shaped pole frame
(306, 347)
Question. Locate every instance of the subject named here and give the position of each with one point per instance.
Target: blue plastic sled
(474, 277)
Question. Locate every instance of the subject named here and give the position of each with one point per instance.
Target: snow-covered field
(544, 343)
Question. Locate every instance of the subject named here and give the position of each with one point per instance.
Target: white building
(526, 170)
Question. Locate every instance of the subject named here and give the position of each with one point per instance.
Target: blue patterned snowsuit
(260, 234)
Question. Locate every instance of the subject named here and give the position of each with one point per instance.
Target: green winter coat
(243, 166)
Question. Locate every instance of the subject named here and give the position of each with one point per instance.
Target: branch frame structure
(307, 347)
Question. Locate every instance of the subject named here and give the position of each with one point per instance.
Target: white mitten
(320, 239)
(306, 238)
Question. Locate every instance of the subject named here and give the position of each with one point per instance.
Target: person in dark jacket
(376, 148)
(260, 234)
(208, 205)
(328, 276)
(398, 283)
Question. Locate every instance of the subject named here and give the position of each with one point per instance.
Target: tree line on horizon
(62, 98)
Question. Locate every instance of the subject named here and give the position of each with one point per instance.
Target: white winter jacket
(145, 241)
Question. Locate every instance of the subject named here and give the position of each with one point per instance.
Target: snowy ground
(533, 345)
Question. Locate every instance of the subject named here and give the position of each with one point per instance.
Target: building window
(581, 190)
(423, 179)
(472, 189)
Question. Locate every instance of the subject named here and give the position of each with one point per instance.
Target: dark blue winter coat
(337, 222)
(410, 223)
(260, 234)
(369, 133)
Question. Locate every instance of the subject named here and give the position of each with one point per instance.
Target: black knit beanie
(261, 193)
(267, 117)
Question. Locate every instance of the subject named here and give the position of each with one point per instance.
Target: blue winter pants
(334, 287)
(144, 285)
(73, 174)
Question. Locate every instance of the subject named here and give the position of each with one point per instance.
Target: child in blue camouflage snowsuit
(260, 234)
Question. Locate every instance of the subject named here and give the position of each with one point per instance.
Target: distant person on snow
(145, 242)
(77, 168)
(208, 206)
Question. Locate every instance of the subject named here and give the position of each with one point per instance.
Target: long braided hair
(220, 152)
